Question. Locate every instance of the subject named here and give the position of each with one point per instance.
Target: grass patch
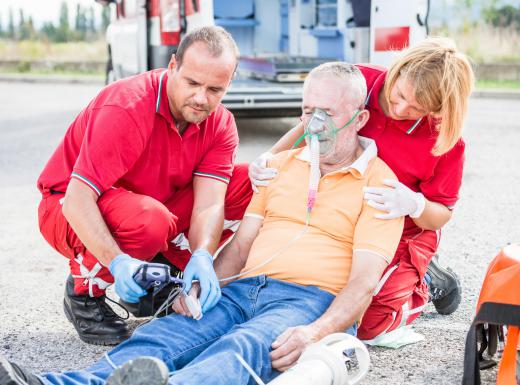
(41, 50)
(498, 84)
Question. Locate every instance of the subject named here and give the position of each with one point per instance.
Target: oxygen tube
(319, 127)
(315, 175)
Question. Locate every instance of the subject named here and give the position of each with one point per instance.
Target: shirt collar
(360, 165)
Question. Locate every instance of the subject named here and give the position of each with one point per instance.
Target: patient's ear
(362, 119)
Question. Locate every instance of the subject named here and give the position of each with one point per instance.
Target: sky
(42, 10)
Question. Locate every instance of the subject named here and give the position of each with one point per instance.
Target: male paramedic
(145, 170)
(303, 264)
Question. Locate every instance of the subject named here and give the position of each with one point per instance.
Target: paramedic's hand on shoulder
(396, 201)
(258, 172)
(289, 345)
(200, 268)
(123, 268)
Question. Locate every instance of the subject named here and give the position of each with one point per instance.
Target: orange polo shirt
(340, 222)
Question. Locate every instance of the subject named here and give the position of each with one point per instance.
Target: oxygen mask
(320, 134)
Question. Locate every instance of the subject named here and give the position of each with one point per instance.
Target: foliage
(84, 27)
(503, 17)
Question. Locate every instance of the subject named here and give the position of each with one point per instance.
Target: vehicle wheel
(110, 76)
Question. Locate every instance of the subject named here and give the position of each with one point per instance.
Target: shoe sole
(91, 338)
(456, 301)
(141, 371)
(7, 374)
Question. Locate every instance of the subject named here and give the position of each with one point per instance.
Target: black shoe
(141, 371)
(445, 291)
(12, 374)
(94, 320)
(150, 304)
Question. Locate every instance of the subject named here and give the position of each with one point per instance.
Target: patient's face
(328, 94)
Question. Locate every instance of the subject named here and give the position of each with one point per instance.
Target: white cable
(291, 242)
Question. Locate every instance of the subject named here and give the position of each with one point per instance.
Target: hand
(123, 268)
(289, 346)
(397, 201)
(258, 172)
(179, 304)
(200, 267)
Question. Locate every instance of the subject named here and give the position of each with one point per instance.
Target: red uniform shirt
(405, 145)
(126, 137)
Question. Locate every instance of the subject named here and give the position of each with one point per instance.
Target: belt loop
(262, 280)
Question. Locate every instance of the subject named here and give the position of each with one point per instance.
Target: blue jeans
(250, 315)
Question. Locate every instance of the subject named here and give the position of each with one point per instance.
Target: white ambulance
(279, 40)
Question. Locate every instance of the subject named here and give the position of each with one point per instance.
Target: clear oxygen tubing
(315, 175)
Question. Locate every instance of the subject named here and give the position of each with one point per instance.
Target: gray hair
(217, 39)
(351, 79)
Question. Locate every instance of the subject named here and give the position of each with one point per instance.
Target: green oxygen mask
(323, 128)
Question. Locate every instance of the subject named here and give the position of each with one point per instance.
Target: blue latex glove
(123, 268)
(200, 267)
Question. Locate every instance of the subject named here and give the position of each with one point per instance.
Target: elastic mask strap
(348, 123)
(299, 140)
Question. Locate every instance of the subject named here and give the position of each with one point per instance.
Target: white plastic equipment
(324, 363)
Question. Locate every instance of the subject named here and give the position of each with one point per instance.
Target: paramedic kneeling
(146, 168)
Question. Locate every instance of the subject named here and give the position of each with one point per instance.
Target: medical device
(327, 362)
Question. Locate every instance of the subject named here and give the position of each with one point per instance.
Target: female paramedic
(417, 108)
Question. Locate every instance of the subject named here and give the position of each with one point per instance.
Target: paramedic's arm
(230, 260)
(233, 257)
(207, 217)
(434, 216)
(81, 211)
(347, 308)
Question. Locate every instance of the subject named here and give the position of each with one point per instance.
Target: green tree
(11, 31)
(81, 22)
(503, 17)
(30, 28)
(23, 30)
(91, 21)
(63, 31)
(48, 31)
(2, 32)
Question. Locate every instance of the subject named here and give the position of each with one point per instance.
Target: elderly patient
(306, 264)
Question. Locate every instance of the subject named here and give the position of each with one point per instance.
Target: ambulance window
(327, 13)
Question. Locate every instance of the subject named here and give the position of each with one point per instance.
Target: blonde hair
(442, 79)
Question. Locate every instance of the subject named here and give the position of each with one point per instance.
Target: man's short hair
(217, 39)
(350, 76)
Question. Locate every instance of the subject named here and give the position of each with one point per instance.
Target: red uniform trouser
(142, 227)
(402, 291)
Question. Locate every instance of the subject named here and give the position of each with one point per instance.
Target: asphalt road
(35, 333)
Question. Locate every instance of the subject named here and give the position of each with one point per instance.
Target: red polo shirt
(405, 145)
(126, 137)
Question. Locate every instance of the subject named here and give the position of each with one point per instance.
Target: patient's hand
(289, 346)
(179, 305)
